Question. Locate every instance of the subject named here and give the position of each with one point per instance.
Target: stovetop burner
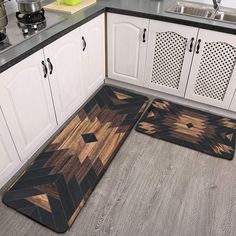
(26, 26)
(32, 18)
(31, 23)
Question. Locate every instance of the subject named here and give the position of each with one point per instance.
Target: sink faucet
(216, 5)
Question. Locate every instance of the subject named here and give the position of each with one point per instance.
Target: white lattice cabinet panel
(93, 53)
(9, 158)
(26, 102)
(169, 57)
(213, 79)
(127, 45)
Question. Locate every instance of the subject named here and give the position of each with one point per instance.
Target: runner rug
(198, 130)
(56, 186)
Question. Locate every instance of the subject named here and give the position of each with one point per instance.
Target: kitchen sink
(191, 9)
(225, 16)
(204, 11)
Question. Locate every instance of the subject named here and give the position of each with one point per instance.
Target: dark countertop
(153, 9)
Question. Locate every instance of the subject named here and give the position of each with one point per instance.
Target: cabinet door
(212, 79)
(9, 158)
(26, 102)
(127, 44)
(93, 53)
(65, 77)
(169, 57)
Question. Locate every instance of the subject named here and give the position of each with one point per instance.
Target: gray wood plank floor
(151, 188)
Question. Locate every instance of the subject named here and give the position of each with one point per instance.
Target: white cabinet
(76, 66)
(9, 158)
(51, 85)
(93, 53)
(48, 87)
(213, 76)
(27, 105)
(169, 57)
(65, 74)
(127, 45)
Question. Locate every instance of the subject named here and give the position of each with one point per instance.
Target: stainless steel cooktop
(16, 33)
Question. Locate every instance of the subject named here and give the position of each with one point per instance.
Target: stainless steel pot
(3, 17)
(29, 6)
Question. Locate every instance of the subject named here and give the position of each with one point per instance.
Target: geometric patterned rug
(198, 130)
(56, 186)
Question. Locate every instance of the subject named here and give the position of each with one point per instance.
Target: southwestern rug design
(56, 186)
(198, 130)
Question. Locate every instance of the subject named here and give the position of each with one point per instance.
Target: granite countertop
(153, 9)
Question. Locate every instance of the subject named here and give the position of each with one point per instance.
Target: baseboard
(152, 93)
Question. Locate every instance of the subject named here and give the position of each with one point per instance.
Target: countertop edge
(46, 42)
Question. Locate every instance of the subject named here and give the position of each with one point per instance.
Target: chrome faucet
(216, 5)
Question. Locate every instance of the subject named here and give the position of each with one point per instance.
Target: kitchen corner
(75, 88)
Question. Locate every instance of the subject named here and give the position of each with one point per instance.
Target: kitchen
(112, 117)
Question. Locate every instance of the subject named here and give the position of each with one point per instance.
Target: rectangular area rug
(56, 186)
(198, 130)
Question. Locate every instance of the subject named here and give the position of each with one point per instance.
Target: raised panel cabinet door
(65, 74)
(9, 158)
(93, 53)
(26, 102)
(127, 46)
(169, 57)
(213, 79)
